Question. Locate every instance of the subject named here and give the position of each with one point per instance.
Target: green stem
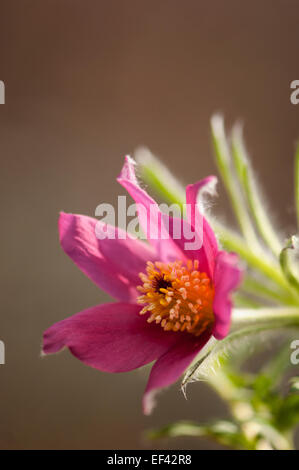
(159, 177)
(285, 263)
(223, 160)
(251, 192)
(276, 316)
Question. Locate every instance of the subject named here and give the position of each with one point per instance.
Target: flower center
(178, 296)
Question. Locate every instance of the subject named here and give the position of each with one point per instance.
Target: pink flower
(170, 300)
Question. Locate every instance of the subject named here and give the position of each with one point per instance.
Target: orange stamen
(178, 296)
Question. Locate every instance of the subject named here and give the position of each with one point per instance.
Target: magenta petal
(128, 255)
(227, 277)
(169, 367)
(112, 264)
(152, 221)
(111, 337)
(207, 253)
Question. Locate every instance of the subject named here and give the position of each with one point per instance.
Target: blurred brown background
(87, 82)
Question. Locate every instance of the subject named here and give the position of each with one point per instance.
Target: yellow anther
(178, 296)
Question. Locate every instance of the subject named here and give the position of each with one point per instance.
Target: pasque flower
(170, 300)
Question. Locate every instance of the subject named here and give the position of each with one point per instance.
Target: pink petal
(171, 366)
(110, 337)
(227, 277)
(207, 253)
(152, 221)
(127, 254)
(113, 264)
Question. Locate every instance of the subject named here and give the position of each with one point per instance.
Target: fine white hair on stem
(252, 192)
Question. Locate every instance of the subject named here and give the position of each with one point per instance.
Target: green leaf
(288, 414)
(244, 342)
(284, 409)
(239, 342)
(226, 433)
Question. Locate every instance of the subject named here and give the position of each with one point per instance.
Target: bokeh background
(87, 82)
